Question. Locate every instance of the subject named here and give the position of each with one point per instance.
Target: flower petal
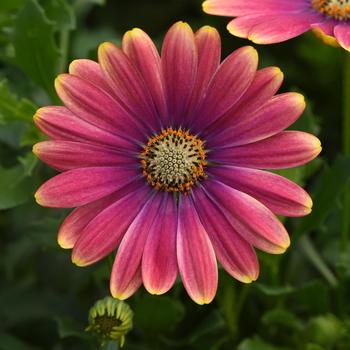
(144, 55)
(195, 255)
(129, 255)
(104, 233)
(284, 150)
(230, 82)
(96, 106)
(77, 187)
(252, 220)
(342, 34)
(67, 155)
(236, 256)
(280, 195)
(208, 44)
(61, 124)
(159, 264)
(179, 64)
(276, 115)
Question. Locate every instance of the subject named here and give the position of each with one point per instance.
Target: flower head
(161, 157)
(110, 319)
(274, 21)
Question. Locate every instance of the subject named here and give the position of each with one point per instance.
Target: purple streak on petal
(61, 124)
(159, 263)
(97, 107)
(208, 44)
(130, 251)
(273, 117)
(91, 71)
(144, 55)
(243, 7)
(81, 186)
(128, 85)
(342, 34)
(266, 83)
(280, 195)
(284, 150)
(79, 218)
(67, 155)
(179, 64)
(252, 220)
(195, 255)
(236, 256)
(104, 233)
(230, 82)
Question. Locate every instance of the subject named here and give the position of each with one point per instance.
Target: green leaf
(36, 51)
(325, 195)
(256, 344)
(28, 162)
(67, 327)
(275, 290)
(282, 318)
(9, 342)
(13, 108)
(61, 13)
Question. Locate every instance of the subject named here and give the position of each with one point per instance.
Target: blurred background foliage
(301, 300)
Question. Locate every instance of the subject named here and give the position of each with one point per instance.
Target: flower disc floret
(338, 9)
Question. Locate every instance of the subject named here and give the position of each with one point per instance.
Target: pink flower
(274, 21)
(160, 157)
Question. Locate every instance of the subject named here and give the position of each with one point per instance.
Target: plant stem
(345, 227)
(64, 45)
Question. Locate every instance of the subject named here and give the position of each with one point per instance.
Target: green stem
(64, 46)
(346, 149)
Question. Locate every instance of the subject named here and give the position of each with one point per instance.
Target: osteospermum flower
(273, 21)
(161, 156)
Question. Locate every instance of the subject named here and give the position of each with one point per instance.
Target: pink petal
(90, 71)
(342, 34)
(131, 248)
(159, 264)
(325, 31)
(97, 107)
(127, 84)
(228, 85)
(266, 83)
(195, 255)
(67, 155)
(271, 28)
(60, 124)
(236, 256)
(144, 55)
(179, 64)
(208, 44)
(129, 289)
(280, 195)
(284, 150)
(249, 218)
(276, 115)
(243, 7)
(104, 233)
(78, 187)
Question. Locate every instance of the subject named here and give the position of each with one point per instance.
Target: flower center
(338, 9)
(173, 160)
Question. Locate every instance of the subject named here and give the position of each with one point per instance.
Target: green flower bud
(110, 319)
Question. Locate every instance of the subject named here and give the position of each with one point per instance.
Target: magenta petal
(284, 150)
(159, 263)
(179, 63)
(129, 289)
(236, 256)
(230, 82)
(208, 44)
(276, 115)
(127, 84)
(77, 187)
(195, 255)
(280, 195)
(90, 71)
(96, 107)
(266, 83)
(61, 124)
(342, 34)
(129, 255)
(144, 55)
(67, 155)
(252, 220)
(104, 233)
